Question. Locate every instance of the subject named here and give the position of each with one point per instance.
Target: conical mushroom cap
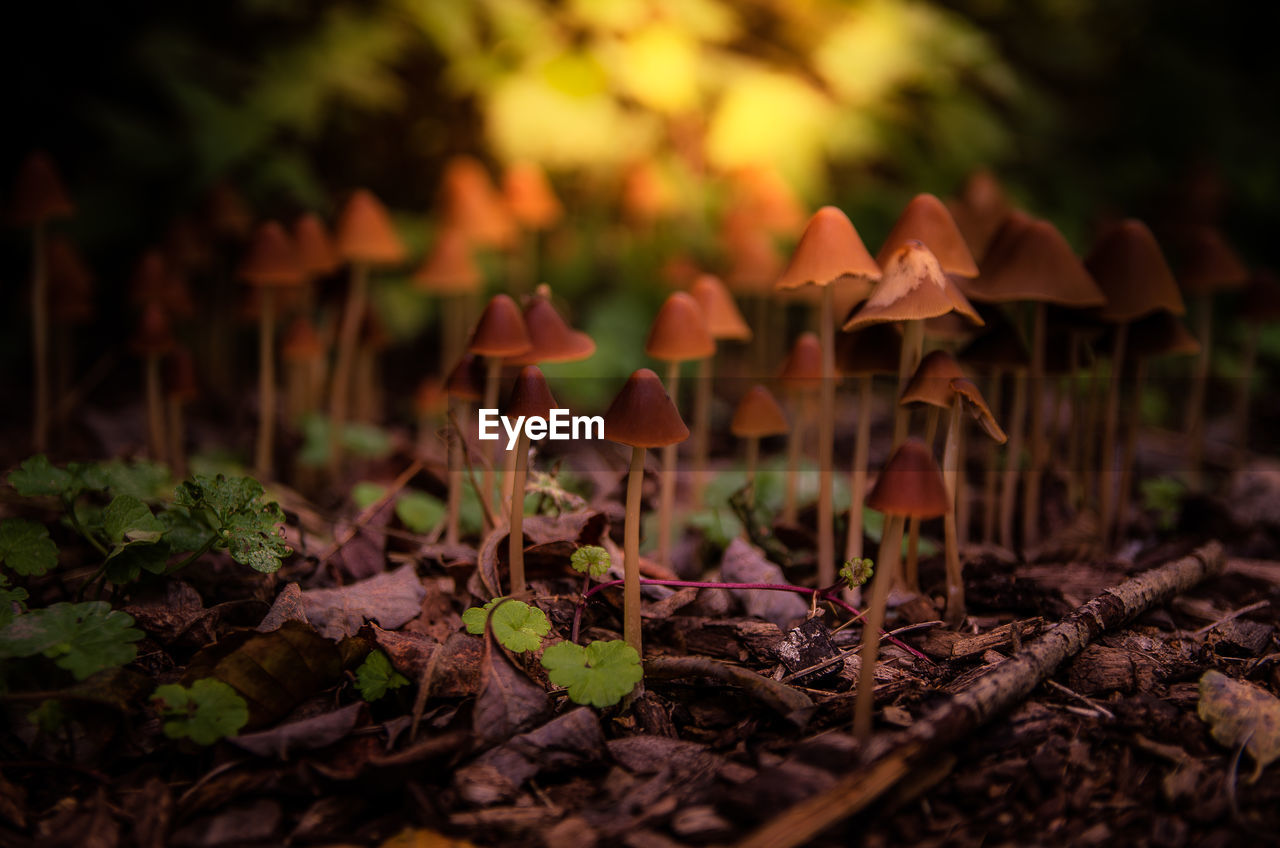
(529, 196)
(449, 268)
(753, 259)
(1037, 265)
(642, 414)
(531, 395)
(871, 350)
(977, 406)
(70, 282)
(931, 383)
(910, 484)
(913, 288)
(38, 193)
(1261, 301)
(647, 194)
(1006, 235)
(1132, 272)
(471, 204)
(760, 192)
(927, 221)
(466, 380)
(1210, 265)
(724, 321)
(154, 336)
(500, 332)
(180, 381)
(301, 342)
(802, 369)
(829, 249)
(758, 415)
(551, 338)
(365, 235)
(979, 210)
(316, 253)
(272, 260)
(227, 213)
(679, 331)
(1159, 334)
(156, 281)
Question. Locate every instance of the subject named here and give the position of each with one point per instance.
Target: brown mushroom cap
(156, 281)
(70, 282)
(1159, 334)
(552, 340)
(1260, 303)
(365, 234)
(1209, 264)
(470, 202)
(927, 221)
(272, 260)
(500, 332)
(466, 380)
(871, 350)
(802, 369)
(679, 331)
(980, 210)
(761, 192)
(38, 193)
(758, 415)
(450, 267)
(528, 194)
(977, 406)
(1132, 272)
(642, 414)
(1006, 235)
(316, 253)
(931, 383)
(531, 395)
(913, 287)
(829, 248)
(724, 321)
(301, 342)
(154, 336)
(180, 381)
(910, 484)
(1037, 264)
(647, 193)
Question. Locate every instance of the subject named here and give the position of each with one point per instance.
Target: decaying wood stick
(993, 693)
(791, 703)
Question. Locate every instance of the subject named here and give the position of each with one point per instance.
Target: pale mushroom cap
(500, 332)
(761, 192)
(551, 339)
(271, 260)
(1131, 270)
(931, 383)
(913, 288)
(829, 248)
(724, 321)
(910, 484)
(365, 234)
(977, 406)
(316, 253)
(679, 331)
(450, 267)
(531, 395)
(758, 414)
(926, 220)
(642, 414)
(1036, 265)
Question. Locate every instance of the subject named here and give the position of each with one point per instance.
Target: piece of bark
(949, 645)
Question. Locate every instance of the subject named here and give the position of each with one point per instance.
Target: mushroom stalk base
(858, 474)
(631, 554)
(348, 336)
(667, 501)
(884, 568)
(826, 438)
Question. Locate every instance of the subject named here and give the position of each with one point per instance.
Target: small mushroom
(464, 383)
(535, 208)
(724, 322)
(641, 416)
(757, 416)
(152, 341)
(801, 377)
(499, 334)
(530, 397)
(450, 272)
(302, 351)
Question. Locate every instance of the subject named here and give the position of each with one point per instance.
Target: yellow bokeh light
(658, 66)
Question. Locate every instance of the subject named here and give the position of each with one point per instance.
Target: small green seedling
(517, 626)
(25, 547)
(82, 638)
(376, 677)
(600, 674)
(591, 560)
(247, 525)
(208, 711)
(855, 572)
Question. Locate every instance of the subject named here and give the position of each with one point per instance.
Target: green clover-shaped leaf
(376, 676)
(82, 638)
(600, 674)
(205, 713)
(517, 625)
(127, 519)
(419, 512)
(36, 476)
(26, 547)
(590, 559)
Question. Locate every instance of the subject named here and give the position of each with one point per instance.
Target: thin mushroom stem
(753, 456)
(40, 337)
(911, 572)
(1106, 478)
(908, 361)
(155, 409)
(858, 473)
(826, 440)
(266, 383)
(492, 383)
(1075, 437)
(631, 554)
(702, 428)
(1036, 440)
(1248, 362)
(1199, 387)
(992, 475)
(951, 480)
(667, 489)
(1129, 449)
(795, 447)
(1089, 455)
(348, 336)
(454, 507)
(1013, 458)
(885, 566)
(963, 502)
(515, 538)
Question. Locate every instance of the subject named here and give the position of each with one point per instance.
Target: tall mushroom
(724, 323)
(365, 239)
(271, 264)
(39, 197)
(464, 383)
(829, 250)
(470, 202)
(302, 351)
(534, 206)
(531, 397)
(152, 341)
(909, 485)
(450, 272)
(641, 416)
(677, 335)
(757, 416)
(499, 334)
(70, 299)
(801, 377)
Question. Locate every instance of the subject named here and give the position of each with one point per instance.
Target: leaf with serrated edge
(600, 674)
(25, 547)
(83, 638)
(208, 711)
(376, 676)
(36, 476)
(128, 519)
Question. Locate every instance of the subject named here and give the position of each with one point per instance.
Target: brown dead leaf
(165, 611)
(745, 563)
(391, 599)
(570, 741)
(287, 607)
(1240, 713)
(307, 735)
(508, 701)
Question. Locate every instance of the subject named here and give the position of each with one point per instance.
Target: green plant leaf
(208, 711)
(419, 512)
(376, 676)
(600, 674)
(82, 638)
(142, 479)
(856, 572)
(366, 493)
(36, 477)
(475, 617)
(590, 559)
(248, 524)
(127, 519)
(9, 597)
(26, 547)
(126, 562)
(517, 625)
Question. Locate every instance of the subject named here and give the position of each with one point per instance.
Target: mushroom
(152, 341)
(365, 238)
(1131, 271)
(317, 255)
(469, 202)
(271, 264)
(678, 334)
(980, 210)
(450, 272)
(758, 415)
(753, 267)
(181, 387)
(70, 300)
(302, 351)
(1034, 263)
(800, 376)
(535, 208)
(829, 251)
(909, 485)
(464, 383)
(429, 400)
(641, 416)
(724, 322)
(529, 398)
(499, 334)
